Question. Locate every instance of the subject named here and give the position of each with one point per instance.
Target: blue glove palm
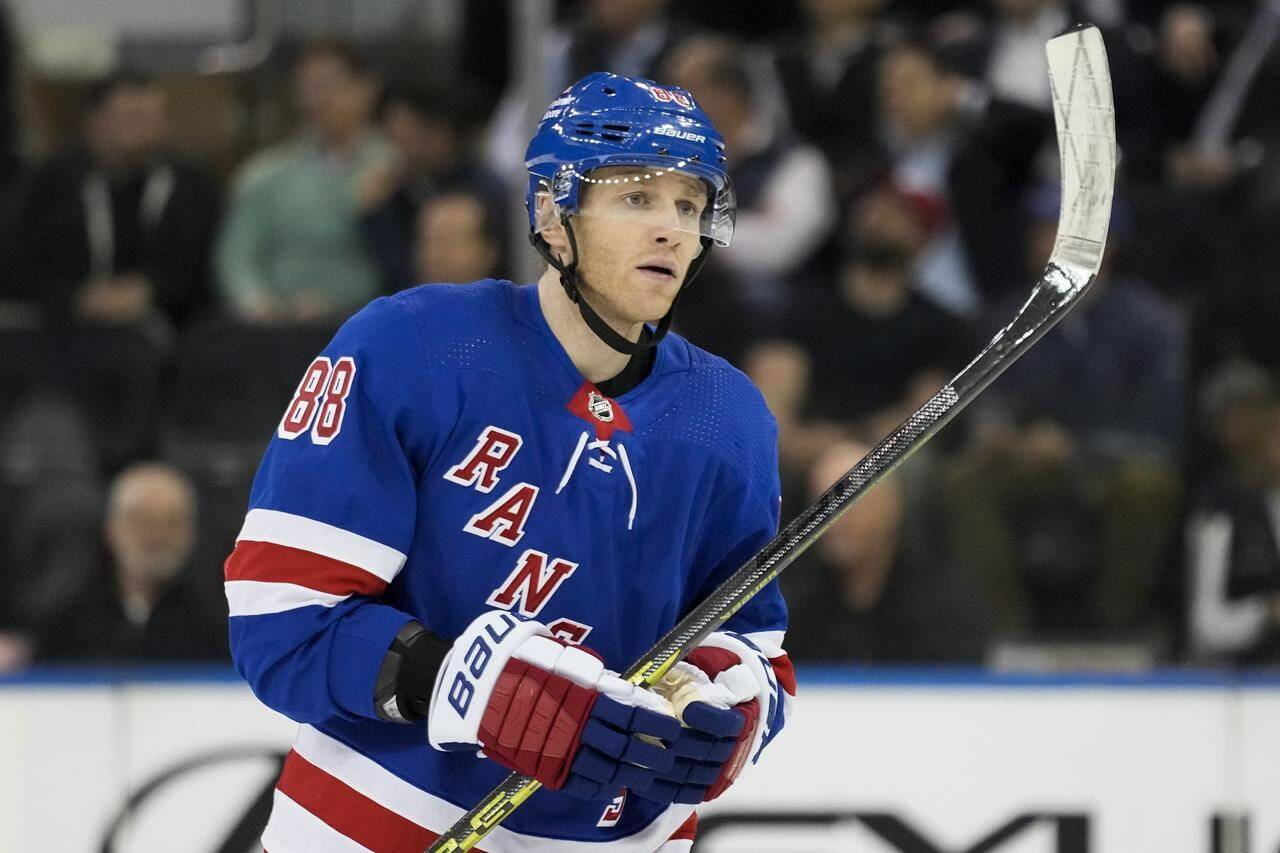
(613, 753)
(706, 743)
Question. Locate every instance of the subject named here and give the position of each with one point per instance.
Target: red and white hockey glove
(726, 694)
(548, 710)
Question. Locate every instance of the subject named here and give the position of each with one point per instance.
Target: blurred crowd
(1113, 500)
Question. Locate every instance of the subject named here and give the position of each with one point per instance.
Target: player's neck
(595, 360)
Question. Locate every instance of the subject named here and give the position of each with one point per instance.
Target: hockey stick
(1085, 121)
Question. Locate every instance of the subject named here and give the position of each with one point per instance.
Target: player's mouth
(658, 271)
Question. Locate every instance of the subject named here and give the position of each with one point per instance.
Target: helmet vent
(615, 132)
(611, 132)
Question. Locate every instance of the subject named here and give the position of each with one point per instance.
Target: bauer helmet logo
(667, 130)
(664, 96)
(600, 407)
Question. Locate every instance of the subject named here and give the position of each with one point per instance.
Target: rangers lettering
(494, 450)
(532, 583)
(573, 633)
(503, 520)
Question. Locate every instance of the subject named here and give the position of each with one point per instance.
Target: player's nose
(667, 235)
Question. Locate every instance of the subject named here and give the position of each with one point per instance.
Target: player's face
(636, 240)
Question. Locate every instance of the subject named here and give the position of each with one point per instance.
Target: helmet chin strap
(570, 280)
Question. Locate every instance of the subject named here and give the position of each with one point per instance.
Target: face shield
(655, 191)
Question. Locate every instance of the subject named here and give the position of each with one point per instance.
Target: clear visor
(653, 195)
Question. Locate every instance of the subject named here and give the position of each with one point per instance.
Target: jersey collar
(643, 402)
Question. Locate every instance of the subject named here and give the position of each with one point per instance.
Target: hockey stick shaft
(1035, 319)
(1085, 121)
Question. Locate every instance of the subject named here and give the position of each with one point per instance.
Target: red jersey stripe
(271, 563)
(688, 830)
(349, 812)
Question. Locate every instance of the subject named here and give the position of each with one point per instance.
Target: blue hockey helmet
(608, 120)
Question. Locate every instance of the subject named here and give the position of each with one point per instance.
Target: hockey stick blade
(1085, 120)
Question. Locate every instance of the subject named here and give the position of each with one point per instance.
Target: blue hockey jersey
(442, 457)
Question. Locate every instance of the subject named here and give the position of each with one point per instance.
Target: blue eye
(635, 199)
(687, 208)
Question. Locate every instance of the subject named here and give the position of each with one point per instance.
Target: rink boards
(885, 761)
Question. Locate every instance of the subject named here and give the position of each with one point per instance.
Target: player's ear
(553, 230)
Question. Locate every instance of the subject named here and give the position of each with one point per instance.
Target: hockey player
(483, 501)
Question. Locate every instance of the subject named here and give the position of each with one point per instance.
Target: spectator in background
(119, 229)
(291, 248)
(1187, 64)
(858, 596)
(1067, 500)
(1233, 534)
(864, 356)
(14, 309)
(141, 606)
(963, 155)
(878, 347)
(456, 240)
(859, 359)
(1010, 47)
(1222, 193)
(628, 37)
(10, 129)
(1003, 49)
(431, 128)
(1230, 108)
(50, 512)
(828, 73)
(786, 207)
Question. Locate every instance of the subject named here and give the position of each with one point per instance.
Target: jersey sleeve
(749, 505)
(331, 517)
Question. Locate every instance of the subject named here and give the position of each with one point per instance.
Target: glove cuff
(468, 674)
(727, 647)
(402, 692)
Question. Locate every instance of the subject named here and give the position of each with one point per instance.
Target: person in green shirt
(290, 249)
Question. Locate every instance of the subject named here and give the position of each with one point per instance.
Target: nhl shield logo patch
(600, 407)
(605, 415)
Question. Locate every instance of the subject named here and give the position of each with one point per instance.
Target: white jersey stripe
(255, 598)
(293, 829)
(390, 791)
(296, 531)
(769, 642)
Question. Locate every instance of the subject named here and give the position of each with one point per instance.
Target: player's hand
(549, 710)
(723, 692)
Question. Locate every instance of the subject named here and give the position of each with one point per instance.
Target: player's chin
(650, 310)
(654, 291)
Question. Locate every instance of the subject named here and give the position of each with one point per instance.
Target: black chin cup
(570, 282)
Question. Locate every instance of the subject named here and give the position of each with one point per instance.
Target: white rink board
(1147, 767)
(1144, 766)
